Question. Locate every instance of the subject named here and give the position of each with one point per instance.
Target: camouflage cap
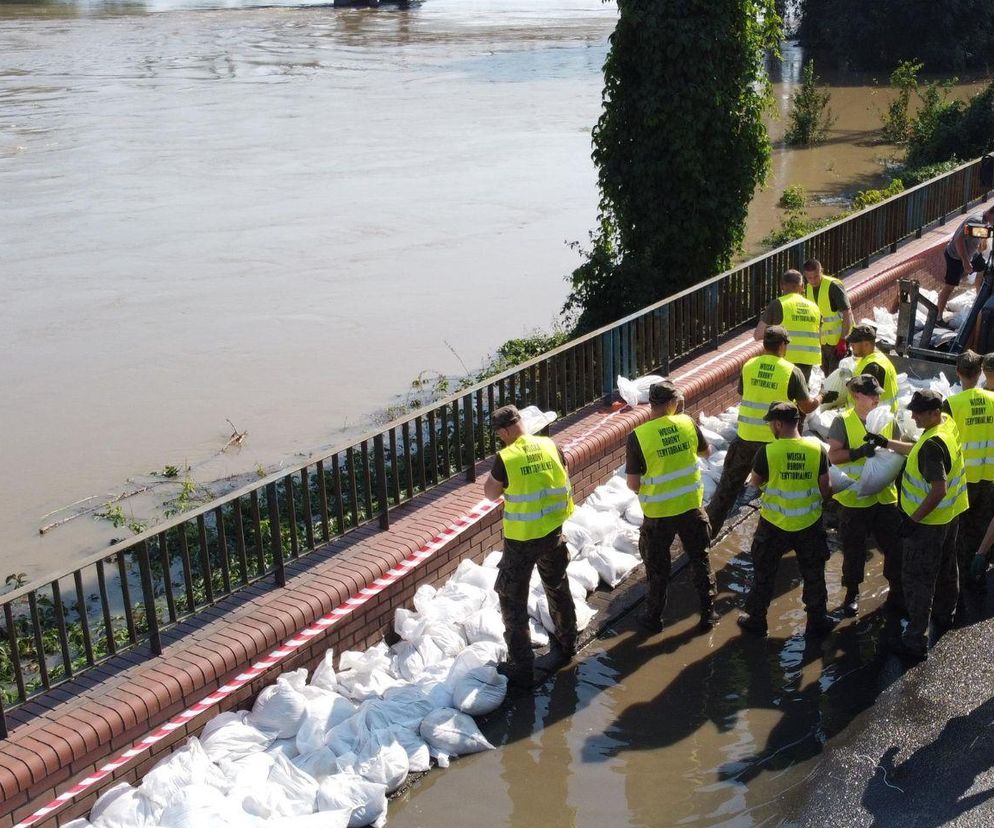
(775, 335)
(663, 392)
(865, 384)
(506, 416)
(925, 400)
(863, 333)
(785, 411)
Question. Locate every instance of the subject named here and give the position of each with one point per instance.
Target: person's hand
(829, 397)
(978, 567)
(907, 527)
(878, 440)
(681, 402)
(866, 450)
(967, 265)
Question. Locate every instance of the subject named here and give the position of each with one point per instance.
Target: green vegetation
(810, 116)
(947, 130)
(680, 147)
(897, 119)
(793, 198)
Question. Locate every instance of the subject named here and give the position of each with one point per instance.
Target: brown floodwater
(677, 728)
(279, 215)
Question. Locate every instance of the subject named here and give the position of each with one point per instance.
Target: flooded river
(678, 728)
(278, 216)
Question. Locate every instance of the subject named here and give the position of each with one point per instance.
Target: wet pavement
(716, 729)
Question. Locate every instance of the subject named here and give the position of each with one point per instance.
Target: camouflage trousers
(550, 555)
(972, 526)
(931, 582)
(768, 546)
(882, 522)
(655, 540)
(734, 471)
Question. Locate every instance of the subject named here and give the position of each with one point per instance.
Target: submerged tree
(810, 117)
(680, 148)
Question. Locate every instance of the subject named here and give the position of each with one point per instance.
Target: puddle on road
(677, 728)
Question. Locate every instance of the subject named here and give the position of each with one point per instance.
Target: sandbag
(121, 806)
(634, 514)
(318, 763)
(539, 637)
(280, 707)
(534, 419)
(599, 525)
(879, 418)
(470, 572)
(726, 429)
(412, 658)
(418, 756)
(287, 748)
(323, 712)
(366, 675)
(198, 806)
(636, 391)
(324, 674)
(714, 439)
(485, 625)
(627, 541)
(382, 759)
(175, 773)
(577, 538)
(612, 566)
(879, 471)
(613, 496)
(453, 733)
(839, 479)
(299, 788)
(583, 573)
(820, 422)
(247, 773)
(324, 819)
(229, 736)
(480, 691)
(366, 801)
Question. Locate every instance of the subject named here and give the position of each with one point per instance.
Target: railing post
(712, 299)
(3, 720)
(469, 438)
(800, 251)
(663, 321)
(275, 536)
(967, 188)
(607, 365)
(379, 457)
(148, 598)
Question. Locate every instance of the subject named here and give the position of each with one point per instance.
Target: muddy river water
(279, 215)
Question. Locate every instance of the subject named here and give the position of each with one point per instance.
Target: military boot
(753, 624)
(850, 604)
(520, 676)
(819, 624)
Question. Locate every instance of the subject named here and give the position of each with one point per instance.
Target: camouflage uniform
(972, 526)
(513, 583)
(930, 580)
(655, 540)
(734, 471)
(768, 546)
(882, 521)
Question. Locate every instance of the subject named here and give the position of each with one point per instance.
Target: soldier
(973, 411)
(869, 360)
(661, 467)
(860, 517)
(801, 319)
(765, 379)
(933, 495)
(793, 472)
(530, 473)
(829, 294)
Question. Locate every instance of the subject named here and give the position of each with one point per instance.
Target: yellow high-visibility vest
(973, 412)
(765, 380)
(802, 319)
(831, 321)
(855, 432)
(889, 395)
(791, 497)
(538, 497)
(672, 483)
(914, 487)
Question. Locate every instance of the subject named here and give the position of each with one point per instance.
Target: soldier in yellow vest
(765, 379)
(531, 475)
(793, 473)
(661, 467)
(800, 318)
(933, 495)
(829, 294)
(973, 411)
(863, 341)
(862, 517)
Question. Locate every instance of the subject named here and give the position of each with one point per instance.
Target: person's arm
(825, 484)
(932, 499)
(760, 331)
(798, 391)
(900, 447)
(492, 488)
(960, 245)
(760, 469)
(703, 446)
(847, 322)
(634, 463)
(837, 452)
(933, 465)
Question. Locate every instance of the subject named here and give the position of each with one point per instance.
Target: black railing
(61, 625)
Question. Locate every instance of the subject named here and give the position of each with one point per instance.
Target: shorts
(954, 270)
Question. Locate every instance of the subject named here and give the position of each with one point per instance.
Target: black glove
(907, 527)
(866, 450)
(978, 567)
(829, 397)
(877, 439)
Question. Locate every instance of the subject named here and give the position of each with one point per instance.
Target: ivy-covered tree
(680, 147)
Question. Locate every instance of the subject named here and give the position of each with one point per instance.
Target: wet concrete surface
(718, 729)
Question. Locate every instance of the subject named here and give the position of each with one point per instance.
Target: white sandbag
(709, 488)
(492, 560)
(636, 391)
(411, 659)
(280, 707)
(480, 691)
(583, 573)
(839, 479)
(287, 748)
(366, 675)
(879, 418)
(470, 572)
(577, 538)
(453, 733)
(820, 422)
(78, 823)
(198, 806)
(484, 625)
(228, 736)
(382, 759)
(879, 471)
(366, 801)
(584, 614)
(539, 637)
(481, 654)
(836, 382)
(961, 301)
(612, 566)
(627, 541)
(299, 788)
(634, 514)
(534, 419)
(719, 426)
(324, 819)
(121, 806)
(178, 771)
(613, 496)
(324, 674)
(714, 439)
(417, 700)
(318, 763)
(248, 772)
(599, 525)
(323, 713)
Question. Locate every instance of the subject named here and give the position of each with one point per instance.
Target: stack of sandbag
(636, 391)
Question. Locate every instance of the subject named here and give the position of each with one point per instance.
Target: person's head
(507, 424)
(987, 366)
(863, 340)
(865, 391)
(775, 339)
(926, 408)
(989, 215)
(783, 418)
(792, 281)
(968, 367)
(812, 272)
(663, 398)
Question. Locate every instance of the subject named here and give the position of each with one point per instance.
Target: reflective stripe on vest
(765, 380)
(792, 497)
(537, 498)
(672, 483)
(855, 432)
(973, 411)
(889, 395)
(802, 320)
(914, 488)
(831, 321)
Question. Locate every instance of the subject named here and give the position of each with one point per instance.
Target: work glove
(907, 527)
(842, 348)
(829, 397)
(978, 567)
(877, 440)
(978, 263)
(865, 450)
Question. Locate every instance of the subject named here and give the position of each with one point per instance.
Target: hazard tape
(285, 650)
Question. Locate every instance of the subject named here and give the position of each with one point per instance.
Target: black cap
(785, 411)
(506, 416)
(865, 384)
(775, 335)
(863, 333)
(925, 400)
(663, 392)
(969, 363)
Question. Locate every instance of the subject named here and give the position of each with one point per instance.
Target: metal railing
(64, 624)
